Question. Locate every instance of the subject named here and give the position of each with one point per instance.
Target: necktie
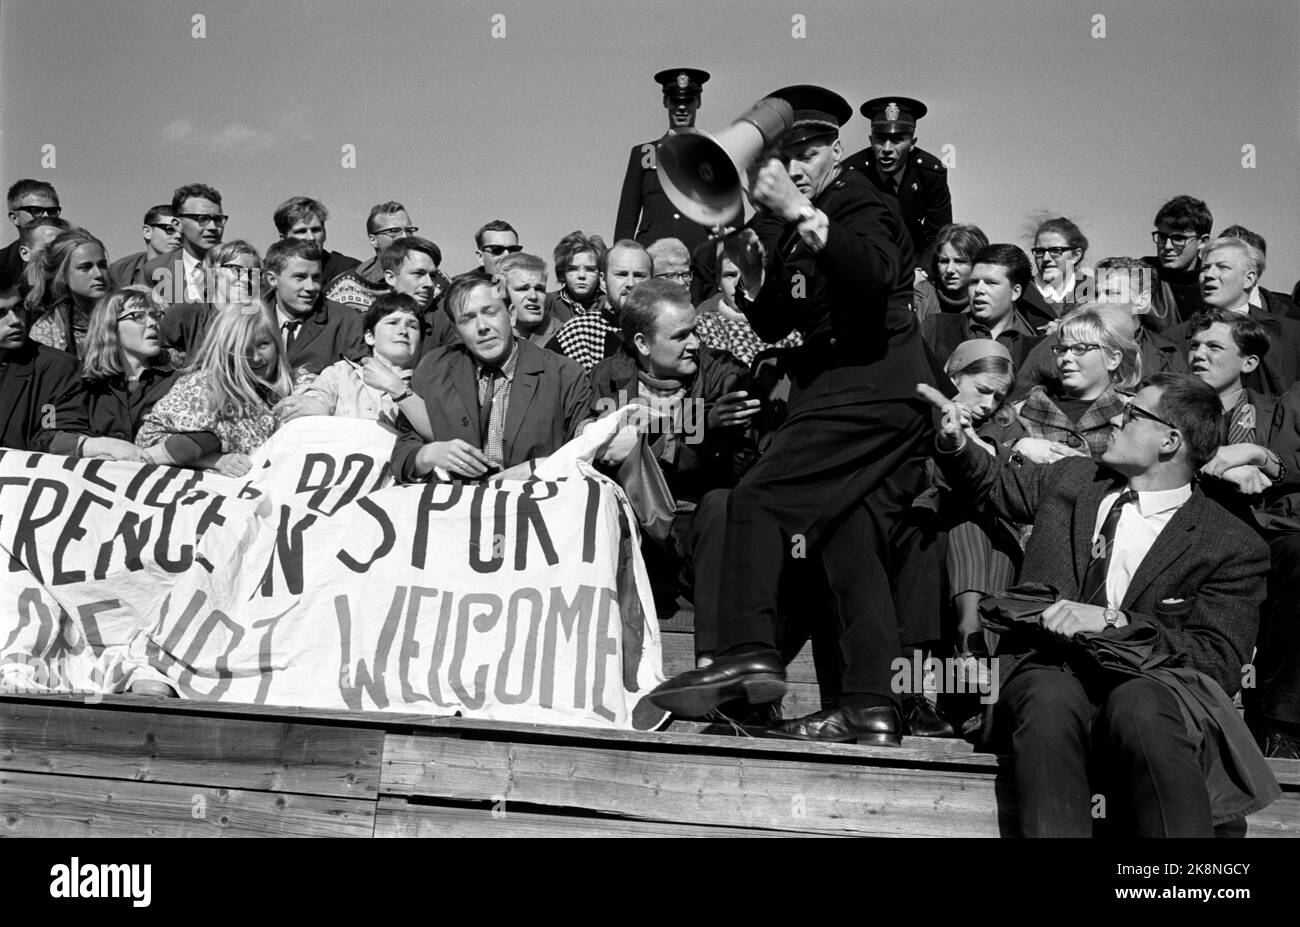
(489, 378)
(1094, 578)
(196, 284)
(290, 332)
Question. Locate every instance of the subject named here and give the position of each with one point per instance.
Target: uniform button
(1074, 441)
(677, 215)
(834, 341)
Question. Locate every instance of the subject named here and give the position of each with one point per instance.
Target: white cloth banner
(314, 582)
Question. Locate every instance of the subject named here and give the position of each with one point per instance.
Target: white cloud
(233, 138)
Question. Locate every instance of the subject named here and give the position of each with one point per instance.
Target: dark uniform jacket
(1280, 369)
(114, 412)
(42, 405)
(550, 396)
(714, 457)
(644, 210)
(851, 301)
(923, 195)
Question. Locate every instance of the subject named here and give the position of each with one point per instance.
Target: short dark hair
(458, 293)
(641, 310)
(295, 209)
(1009, 256)
(576, 243)
(1246, 235)
(387, 304)
(157, 212)
(1248, 335)
(1066, 229)
(394, 256)
(196, 190)
(31, 188)
(1193, 407)
(280, 253)
(28, 232)
(496, 225)
(966, 240)
(382, 209)
(1186, 212)
(1138, 271)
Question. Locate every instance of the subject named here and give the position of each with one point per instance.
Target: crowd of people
(814, 493)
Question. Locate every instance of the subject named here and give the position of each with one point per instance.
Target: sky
(468, 111)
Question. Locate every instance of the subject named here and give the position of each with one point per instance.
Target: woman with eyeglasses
(72, 275)
(943, 289)
(1096, 363)
(1058, 249)
(220, 409)
(233, 272)
(125, 370)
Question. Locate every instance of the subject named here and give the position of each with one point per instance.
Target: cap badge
(892, 112)
(683, 80)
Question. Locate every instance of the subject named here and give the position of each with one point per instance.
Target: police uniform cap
(817, 112)
(682, 82)
(894, 114)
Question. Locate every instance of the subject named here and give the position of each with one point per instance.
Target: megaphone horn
(700, 173)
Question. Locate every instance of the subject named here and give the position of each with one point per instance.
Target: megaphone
(700, 173)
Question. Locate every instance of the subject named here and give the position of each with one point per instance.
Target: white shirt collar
(1254, 299)
(1153, 502)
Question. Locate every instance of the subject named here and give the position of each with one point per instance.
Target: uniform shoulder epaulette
(928, 162)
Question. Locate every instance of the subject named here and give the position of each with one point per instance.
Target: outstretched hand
(955, 424)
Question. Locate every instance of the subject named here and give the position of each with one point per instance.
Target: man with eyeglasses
(357, 288)
(1182, 226)
(177, 276)
(28, 200)
(161, 231)
(1143, 566)
(672, 261)
(999, 277)
(492, 242)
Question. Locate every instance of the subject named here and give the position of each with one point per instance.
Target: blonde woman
(1096, 363)
(219, 411)
(71, 276)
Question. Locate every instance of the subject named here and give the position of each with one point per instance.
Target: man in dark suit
(840, 469)
(644, 211)
(42, 405)
(496, 402)
(27, 200)
(161, 231)
(1182, 227)
(304, 217)
(316, 332)
(916, 178)
(410, 266)
(1229, 270)
(1136, 553)
(177, 276)
(1271, 301)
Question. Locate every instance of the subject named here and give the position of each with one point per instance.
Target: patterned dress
(185, 408)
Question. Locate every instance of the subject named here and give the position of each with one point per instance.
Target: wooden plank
(34, 805)
(396, 817)
(1280, 819)
(266, 755)
(764, 792)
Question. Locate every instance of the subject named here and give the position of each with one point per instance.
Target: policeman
(644, 210)
(895, 165)
(843, 467)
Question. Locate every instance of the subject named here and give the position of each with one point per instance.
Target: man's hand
(770, 186)
(743, 249)
(456, 456)
(1043, 451)
(1246, 479)
(1066, 618)
(734, 408)
(296, 405)
(113, 449)
(622, 444)
(1230, 456)
(382, 377)
(235, 465)
(955, 420)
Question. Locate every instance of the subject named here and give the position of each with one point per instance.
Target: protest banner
(315, 582)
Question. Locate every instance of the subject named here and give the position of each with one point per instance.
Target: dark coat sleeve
(576, 395)
(409, 441)
(629, 199)
(58, 388)
(1012, 492)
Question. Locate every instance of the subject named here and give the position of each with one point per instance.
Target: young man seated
(1138, 555)
(42, 400)
(495, 401)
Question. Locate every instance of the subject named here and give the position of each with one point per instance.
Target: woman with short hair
(944, 287)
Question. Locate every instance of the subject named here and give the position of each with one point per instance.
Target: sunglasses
(1133, 410)
(498, 250)
(38, 212)
(168, 227)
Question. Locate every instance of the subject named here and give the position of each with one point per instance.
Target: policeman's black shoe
(922, 719)
(757, 676)
(880, 726)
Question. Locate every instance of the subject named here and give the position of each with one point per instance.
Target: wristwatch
(1112, 616)
(406, 394)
